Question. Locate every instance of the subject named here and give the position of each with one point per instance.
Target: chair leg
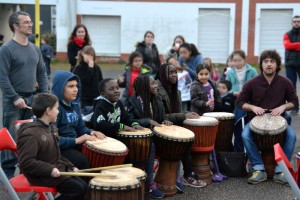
(290, 179)
(11, 191)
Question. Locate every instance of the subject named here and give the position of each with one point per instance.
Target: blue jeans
(291, 74)
(10, 114)
(150, 164)
(253, 153)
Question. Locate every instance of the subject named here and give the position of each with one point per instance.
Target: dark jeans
(10, 114)
(291, 73)
(238, 141)
(76, 157)
(187, 163)
(73, 188)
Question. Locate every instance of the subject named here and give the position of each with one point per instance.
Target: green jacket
(232, 77)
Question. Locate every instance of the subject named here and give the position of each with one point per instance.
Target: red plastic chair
(286, 168)
(19, 183)
(18, 123)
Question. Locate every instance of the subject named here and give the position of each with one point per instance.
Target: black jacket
(73, 52)
(89, 79)
(150, 58)
(228, 102)
(136, 113)
(109, 117)
(292, 58)
(199, 98)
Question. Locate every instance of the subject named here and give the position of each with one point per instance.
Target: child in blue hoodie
(71, 128)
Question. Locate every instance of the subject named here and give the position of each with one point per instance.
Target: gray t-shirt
(21, 67)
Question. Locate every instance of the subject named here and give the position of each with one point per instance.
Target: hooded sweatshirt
(69, 120)
(109, 117)
(39, 153)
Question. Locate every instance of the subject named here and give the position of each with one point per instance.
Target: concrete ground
(233, 189)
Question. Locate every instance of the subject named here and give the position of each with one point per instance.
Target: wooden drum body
(122, 187)
(225, 130)
(105, 152)
(135, 172)
(205, 130)
(139, 144)
(268, 130)
(172, 143)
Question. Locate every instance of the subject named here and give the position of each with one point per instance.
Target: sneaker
(154, 192)
(280, 178)
(294, 112)
(216, 178)
(257, 177)
(193, 181)
(179, 186)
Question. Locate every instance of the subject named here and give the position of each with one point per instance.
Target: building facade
(216, 27)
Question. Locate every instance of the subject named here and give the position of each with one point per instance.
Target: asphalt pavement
(233, 189)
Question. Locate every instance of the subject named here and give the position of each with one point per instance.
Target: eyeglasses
(296, 21)
(26, 23)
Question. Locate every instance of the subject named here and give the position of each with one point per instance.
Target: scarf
(79, 41)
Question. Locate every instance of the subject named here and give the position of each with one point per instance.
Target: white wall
(166, 20)
(274, 6)
(30, 2)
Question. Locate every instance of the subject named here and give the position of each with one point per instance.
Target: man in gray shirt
(22, 68)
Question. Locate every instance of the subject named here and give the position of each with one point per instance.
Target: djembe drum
(122, 187)
(172, 143)
(268, 130)
(205, 130)
(136, 172)
(106, 152)
(225, 130)
(139, 144)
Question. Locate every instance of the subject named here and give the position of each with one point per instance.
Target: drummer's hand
(258, 110)
(75, 169)
(55, 173)
(167, 123)
(84, 138)
(137, 127)
(210, 102)
(20, 103)
(236, 94)
(278, 111)
(191, 115)
(154, 123)
(98, 135)
(128, 128)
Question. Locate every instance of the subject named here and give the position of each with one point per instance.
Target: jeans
(73, 188)
(291, 74)
(185, 106)
(10, 114)
(150, 164)
(253, 153)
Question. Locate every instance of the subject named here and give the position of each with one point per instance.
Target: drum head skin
(108, 144)
(174, 132)
(220, 115)
(120, 182)
(268, 125)
(144, 132)
(136, 172)
(201, 121)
